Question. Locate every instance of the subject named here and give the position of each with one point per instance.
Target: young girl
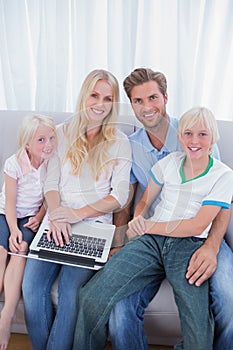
(194, 187)
(21, 208)
(95, 163)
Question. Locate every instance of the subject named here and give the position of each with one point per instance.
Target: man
(147, 91)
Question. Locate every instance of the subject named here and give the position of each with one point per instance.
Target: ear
(165, 98)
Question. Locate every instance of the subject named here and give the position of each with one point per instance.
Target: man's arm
(203, 262)
(121, 219)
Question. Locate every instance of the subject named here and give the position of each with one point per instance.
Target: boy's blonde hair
(199, 115)
(75, 130)
(29, 127)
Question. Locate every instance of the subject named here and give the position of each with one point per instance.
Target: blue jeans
(143, 260)
(28, 234)
(49, 329)
(126, 323)
(221, 289)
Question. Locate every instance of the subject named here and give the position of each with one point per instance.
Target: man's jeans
(49, 330)
(221, 289)
(143, 260)
(126, 324)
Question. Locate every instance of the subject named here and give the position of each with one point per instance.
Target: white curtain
(48, 46)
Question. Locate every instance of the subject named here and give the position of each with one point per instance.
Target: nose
(48, 143)
(195, 139)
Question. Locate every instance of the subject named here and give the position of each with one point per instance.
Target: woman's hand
(64, 214)
(60, 232)
(137, 227)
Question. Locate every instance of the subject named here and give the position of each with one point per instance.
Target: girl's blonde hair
(79, 149)
(29, 127)
(199, 115)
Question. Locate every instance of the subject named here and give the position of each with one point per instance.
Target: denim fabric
(126, 322)
(141, 261)
(28, 234)
(49, 330)
(221, 288)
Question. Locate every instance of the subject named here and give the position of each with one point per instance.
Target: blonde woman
(21, 208)
(95, 162)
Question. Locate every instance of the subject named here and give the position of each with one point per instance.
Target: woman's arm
(71, 215)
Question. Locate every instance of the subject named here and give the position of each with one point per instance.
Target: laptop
(89, 245)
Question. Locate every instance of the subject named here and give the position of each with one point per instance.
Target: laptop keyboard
(79, 244)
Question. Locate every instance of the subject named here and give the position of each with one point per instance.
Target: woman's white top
(83, 189)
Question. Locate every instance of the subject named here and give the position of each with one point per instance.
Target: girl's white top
(30, 182)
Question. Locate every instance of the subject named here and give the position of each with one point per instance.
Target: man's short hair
(140, 76)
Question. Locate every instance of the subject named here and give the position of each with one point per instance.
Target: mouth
(194, 149)
(48, 152)
(149, 115)
(97, 111)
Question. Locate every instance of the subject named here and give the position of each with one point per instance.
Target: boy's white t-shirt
(181, 199)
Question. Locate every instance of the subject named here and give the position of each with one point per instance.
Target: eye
(203, 134)
(52, 138)
(187, 133)
(137, 100)
(108, 99)
(41, 139)
(153, 97)
(94, 95)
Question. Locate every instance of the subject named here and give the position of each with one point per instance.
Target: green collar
(197, 177)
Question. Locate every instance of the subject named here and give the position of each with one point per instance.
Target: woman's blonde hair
(29, 127)
(199, 115)
(79, 149)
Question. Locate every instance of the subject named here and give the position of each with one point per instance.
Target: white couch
(161, 318)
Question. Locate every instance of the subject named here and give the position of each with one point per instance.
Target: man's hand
(202, 265)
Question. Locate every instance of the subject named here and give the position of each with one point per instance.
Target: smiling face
(149, 104)
(196, 141)
(42, 145)
(100, 101)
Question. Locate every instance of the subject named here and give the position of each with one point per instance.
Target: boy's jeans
(143, 260)
(126, 324)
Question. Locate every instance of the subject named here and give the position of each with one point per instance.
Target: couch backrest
(10, 121)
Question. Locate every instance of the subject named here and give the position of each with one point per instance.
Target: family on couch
(90, 146)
